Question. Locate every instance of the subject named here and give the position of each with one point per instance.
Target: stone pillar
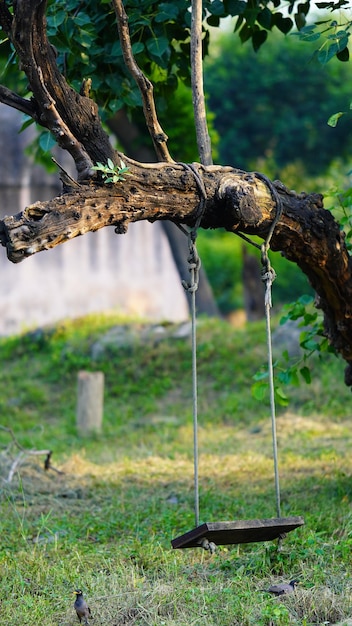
(90, 402)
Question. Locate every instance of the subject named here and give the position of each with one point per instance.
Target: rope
(268, 277)
(279, 208)
(203, 198)
(192, 286)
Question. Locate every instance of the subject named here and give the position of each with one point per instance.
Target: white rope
(192, 286)
(195, 403)
(269, 277)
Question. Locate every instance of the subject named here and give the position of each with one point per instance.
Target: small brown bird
(82, 609)
(283, 588)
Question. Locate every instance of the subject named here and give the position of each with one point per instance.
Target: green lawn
(105, 524)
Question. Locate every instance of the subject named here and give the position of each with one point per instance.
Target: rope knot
(194, 264)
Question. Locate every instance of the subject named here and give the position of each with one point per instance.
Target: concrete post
(90, 402)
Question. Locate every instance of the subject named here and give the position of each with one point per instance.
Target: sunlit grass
(105, 524)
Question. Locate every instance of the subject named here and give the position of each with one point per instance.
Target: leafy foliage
(112, 173)
(278, 115)
(342, 210)
(312, 341)
(87, 44)
(222, 258)
(334, 38)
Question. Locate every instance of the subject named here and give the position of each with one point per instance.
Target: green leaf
(284, 24)
(258, 38)
(308, 33)
(217, 8)
(309, 318)
(260, 390)
(235, 7)
(157, 46)
(281, 397)
(343, 55)
(264, 18)
(333, 119)
(289, 377)
(111, 164)
(305, 373)
(46, 141)
(261, 375)
(167, 11)
(115, 105)
(81, 19)
(326, 54)
(213, 20)
(245, 32)
(308, 29)
(300, 20)
(28, 122)
(309, 343)
(55, 19)
(138, 47)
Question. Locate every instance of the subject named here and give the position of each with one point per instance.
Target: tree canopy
(62, 47)
(280, 110)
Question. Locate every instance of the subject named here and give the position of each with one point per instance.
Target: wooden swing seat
(244, 531)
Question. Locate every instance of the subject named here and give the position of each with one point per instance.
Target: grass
(106, 522)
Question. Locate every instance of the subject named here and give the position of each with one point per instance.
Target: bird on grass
(82, 609)
(283, 588)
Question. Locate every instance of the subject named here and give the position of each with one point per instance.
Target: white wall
(133, 273)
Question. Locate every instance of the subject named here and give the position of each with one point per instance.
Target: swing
(210, 534)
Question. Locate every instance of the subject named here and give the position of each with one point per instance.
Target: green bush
(222, 254)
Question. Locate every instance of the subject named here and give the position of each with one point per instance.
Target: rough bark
(306, 233)
(237, 201)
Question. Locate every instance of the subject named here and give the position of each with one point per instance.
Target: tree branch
(5, 18)
(72, 118)
(25, 452)
(306, 233)
(15, 101)
(146, 89)
(203, 139)
(64, 138)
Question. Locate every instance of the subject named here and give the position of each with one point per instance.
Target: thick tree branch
(306, 233)
(146, 89)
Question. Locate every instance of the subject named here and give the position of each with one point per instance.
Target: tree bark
(238, 201)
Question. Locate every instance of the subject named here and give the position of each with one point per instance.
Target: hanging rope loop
(203, 198)
(194, 264)
(192, 286)
(268, 275)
